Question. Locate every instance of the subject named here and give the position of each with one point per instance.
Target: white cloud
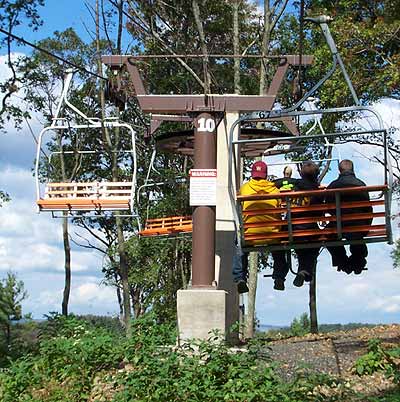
(86, 296)
(389, 304)
(5, 72)
(356, 290)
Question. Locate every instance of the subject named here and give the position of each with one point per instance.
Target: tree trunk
(123, 260)
(313, 303)
(123, 270)
(253, 271)
(136, 304)
(119, 297)
(8, 334)
(251, 305)
(203, 45)
(67, 268)
(264, 47)
(67, 247)
(236, 47)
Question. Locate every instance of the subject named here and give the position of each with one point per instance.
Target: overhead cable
(51, 54)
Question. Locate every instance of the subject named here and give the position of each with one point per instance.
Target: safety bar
(287, 230)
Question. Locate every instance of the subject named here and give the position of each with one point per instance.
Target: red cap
(259, 170)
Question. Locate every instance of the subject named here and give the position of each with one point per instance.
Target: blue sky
(57, 15)
(31, 244)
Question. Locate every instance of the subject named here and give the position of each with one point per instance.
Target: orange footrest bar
(83, 204)
(168, 226)
(86, 196)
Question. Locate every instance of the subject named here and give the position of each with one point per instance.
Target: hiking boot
(345, 267)
(242, 286)
(299, 279)
(279, 284)
(358, 264)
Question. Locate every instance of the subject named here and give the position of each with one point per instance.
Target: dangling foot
(357, 264)
(279, 284)
(344, 265)
(300, 278)
(242, 286)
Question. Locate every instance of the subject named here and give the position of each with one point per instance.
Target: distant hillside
(323, 328)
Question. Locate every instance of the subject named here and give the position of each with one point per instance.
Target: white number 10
(206, 125)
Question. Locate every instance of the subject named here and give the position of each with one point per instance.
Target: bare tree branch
(144, 27)
(89, 245)
(203, 45)
(278, 13)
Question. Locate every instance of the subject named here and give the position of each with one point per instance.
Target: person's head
(287, 172)
(259, 170)
(346, 165)
(309, 171)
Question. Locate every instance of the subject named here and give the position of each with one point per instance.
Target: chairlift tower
(217, 143)
(212, 301)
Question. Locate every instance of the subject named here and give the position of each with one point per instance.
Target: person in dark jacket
(357, 261)
(307, 257)
(286, 182)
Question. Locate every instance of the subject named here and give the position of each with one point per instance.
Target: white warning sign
(203, 187)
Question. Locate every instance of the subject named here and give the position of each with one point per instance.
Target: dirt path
(335, 353)
(331, 353)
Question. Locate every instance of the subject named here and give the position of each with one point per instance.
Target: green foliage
(79, 362)
(391, 396)
(395, 254)
(12, 294)
(364, 32)
(12, 14)
(65, 364)
(373, 361)
(379, 359)
(4, 197)
(300, 326)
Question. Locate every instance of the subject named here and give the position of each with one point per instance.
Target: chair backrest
(367, 219)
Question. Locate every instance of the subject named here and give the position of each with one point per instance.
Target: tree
(12, 294)
(12, 14)
(42, 77)
(300, 326)
(272, 14)
(4, 197)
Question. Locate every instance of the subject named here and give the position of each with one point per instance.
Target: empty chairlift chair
(85, 196)
(170, 226)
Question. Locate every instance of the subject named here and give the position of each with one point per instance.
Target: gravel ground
(335, 353)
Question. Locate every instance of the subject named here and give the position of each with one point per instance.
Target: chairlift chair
(288, 236)
(170, 226)
(287, 239)
(84, 197)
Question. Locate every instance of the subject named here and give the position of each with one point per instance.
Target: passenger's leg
(357, 259)
(339, 258)
(307, 259)
(240, 269)
(280, 269)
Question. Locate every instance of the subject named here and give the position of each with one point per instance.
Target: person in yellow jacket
(259, 184)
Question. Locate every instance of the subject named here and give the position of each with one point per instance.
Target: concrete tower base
(201, 311)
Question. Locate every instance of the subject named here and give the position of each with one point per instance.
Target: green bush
(77, 362)
(65, 365)
(379, 359)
